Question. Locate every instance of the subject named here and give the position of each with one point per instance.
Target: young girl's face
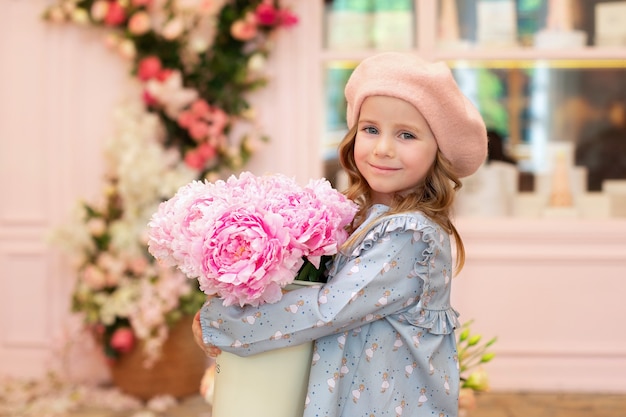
(394, 146)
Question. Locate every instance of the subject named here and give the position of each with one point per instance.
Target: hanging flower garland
(195, 61)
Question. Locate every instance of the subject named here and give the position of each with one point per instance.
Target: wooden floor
(489, 405)
(549, 405)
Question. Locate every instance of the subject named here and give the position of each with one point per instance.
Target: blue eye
(370, 130)
(407, 135)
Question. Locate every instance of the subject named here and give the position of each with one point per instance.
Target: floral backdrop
(194, 62)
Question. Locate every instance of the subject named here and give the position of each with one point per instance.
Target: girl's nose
(384, 146)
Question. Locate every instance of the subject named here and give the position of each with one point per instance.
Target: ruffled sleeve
(432, 310)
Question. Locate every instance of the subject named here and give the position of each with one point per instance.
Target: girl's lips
(383, 168)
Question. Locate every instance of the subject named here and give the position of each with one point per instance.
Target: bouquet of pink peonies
(246, 238)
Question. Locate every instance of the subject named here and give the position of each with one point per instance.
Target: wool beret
(457, 125)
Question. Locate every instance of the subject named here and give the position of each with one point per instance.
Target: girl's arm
(383, 279)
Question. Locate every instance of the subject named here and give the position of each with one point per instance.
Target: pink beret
(458, 127)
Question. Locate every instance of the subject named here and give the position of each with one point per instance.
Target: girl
(383, 325)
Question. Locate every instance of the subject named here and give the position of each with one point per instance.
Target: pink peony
(123, 339)
(244, 239)
(246, 257)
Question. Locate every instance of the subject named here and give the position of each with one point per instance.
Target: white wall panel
(58, 88)
(25, 291)
(553, 293)
(21, 159)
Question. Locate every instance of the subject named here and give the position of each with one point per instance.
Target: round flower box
(177, 372)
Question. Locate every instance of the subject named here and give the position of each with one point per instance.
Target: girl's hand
(209, 350)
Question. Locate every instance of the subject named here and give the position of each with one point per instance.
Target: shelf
(585, 57)
(618, 55)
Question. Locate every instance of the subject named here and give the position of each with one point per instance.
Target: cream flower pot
(270, 384)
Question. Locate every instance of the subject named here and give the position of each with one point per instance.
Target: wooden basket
(177, 373)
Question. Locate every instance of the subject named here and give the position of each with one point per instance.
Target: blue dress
(383, 325)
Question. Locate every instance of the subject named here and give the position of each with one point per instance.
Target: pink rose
(111, 41)
(127, 49)
(148, 99)
(266, 14)
(287, 18)
(207, 151)
(185, 119)
(140, 3)
(194, 160)
(96, 226)
(97, 329)
(217, 120)
(200, 107)
(112, 280)
(138, 265)
(116, 15)
(148, 68)
(139, 23)
(56, 14)
(244, 29)
(123, 340)
(99, 10)
(94, 277)
(164, 74)
(198, 130)
(173, 29)
(209, 7)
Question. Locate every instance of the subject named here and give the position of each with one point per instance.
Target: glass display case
(548, 76)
